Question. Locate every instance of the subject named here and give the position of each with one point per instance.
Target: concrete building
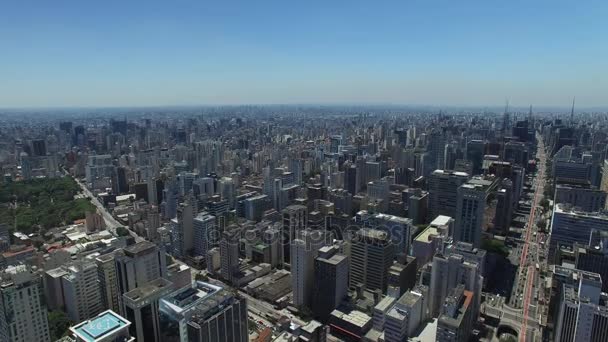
(331, 278)
(304, 250)
(443, 187)
(295, 218)
(569, 226)
(205, 233)
(138, 264)
(229, 255)
(81, 291)
(108, 326)
(456, 320)
(405, 317)
(23, 312)
(372, 255)
(584, 198)
(141, 309)
(106, 276)
(203, 312)
(447, 273)
(398, 228)
(470, 210)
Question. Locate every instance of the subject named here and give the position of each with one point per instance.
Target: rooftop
(149, 289)
(103, 326)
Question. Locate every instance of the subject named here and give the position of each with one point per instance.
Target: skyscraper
(304, 250)
(141, 309)
(205, 233)
(295, 218)
(331, 278)
(23, 312)
(443, 186)
(372, 253)
(470, 210)
(81, 291)
(138, 264)
(229, 255)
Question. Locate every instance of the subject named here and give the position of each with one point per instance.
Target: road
(110, 221)
(530, 250)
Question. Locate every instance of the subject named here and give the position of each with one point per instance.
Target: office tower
(331, 282)
(182, 241)
(402, 274)
(398, 228)
(583, 198)
(447, 273)
(254, 207)
(581, 316)
(203, 312)
(26, 166)
(81, 291)
(39, 147)
(449, 157)
(516, 153)
(372, 255)
(98, 166)
(152, 191)
(227, 191)
(295, 218)
(572, 170)
(456, 319)
(119, 180)
(170, 199)
(593, 258)
(272, 237)
(475, 152)
(229, 255)
(404, 317)
(295, 166)
(205, 233)
(470, 210)
(436, 150)
(141, 309)
(373, 171)
(443, 189)
(106, 276)
(417, 204)
(138, 264)
(569, 226)
(335, 141)
(350, 179)
(108, 326)
(23, 312)
(304, 250)
(204, 186)
(504, 207)
(185, 181)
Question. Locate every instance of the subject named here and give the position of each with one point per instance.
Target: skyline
(72, 54)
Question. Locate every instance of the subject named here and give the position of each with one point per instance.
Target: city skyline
(475, 54)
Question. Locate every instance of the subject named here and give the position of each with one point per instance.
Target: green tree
(122, 231)
(59, 323)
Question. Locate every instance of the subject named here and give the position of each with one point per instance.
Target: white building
(23, 313)
(304, 250)
(205, 230)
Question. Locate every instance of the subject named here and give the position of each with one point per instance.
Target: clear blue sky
(453, 52)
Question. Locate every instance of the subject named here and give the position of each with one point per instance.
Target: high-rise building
(108, 326)
(470, 210)
(443, 187)
(456, 319)
(504, 207)
(295, 218)
(447, 273)
(584, 198)
(81, 291)
(106, 276)
(141, 309)
(205, 233)
(182, 233)
(304, 250)
(398, 228)
(331, 279)
(23, 312)
(581, 316)
(203, 312)
(229, 255)
(138, 264)
(372, 253)
(405, 317)
(476, 149)
(569, 226)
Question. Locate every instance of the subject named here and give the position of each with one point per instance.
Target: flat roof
(426, 234)
(100, 327)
